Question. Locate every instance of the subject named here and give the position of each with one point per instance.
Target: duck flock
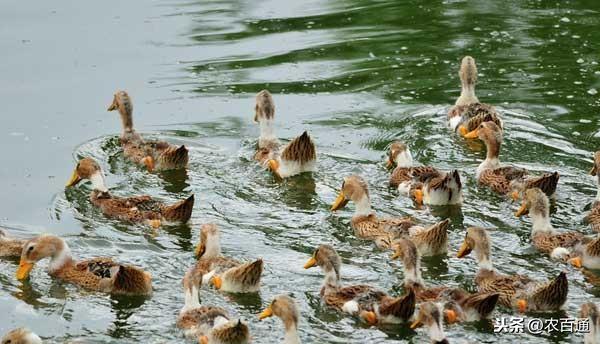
(419, 304)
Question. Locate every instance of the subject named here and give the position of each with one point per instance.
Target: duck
(468, 113)
(586, 254)
(284, 307)
(298, 156)
(424, 184)
(543, 236)
(367, 225)
(516, 291)
(226, 274)
(21, 336)
(593, 217)
(469, 307)
(138, 209)
(98, 274)
(10, 247)
(154, 155)
(589, 311)
(507, 180)
(430, 316)
(368, 303)
(208, 324)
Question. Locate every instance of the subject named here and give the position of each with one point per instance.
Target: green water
(356, 74)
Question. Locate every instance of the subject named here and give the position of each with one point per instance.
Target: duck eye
(30, 249)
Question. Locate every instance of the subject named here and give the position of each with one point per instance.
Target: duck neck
(598, 186)
(213, 248)
(404, 159)
(267, 131)
(97, 180)
(331, 278)
(412, 274)
(492, 149)
(484, 261)
(61, 257)
(126, 120)
(436, 332)
(291, 332)
(467, 94)
(540, 222)
(363, 206)
(192, 300)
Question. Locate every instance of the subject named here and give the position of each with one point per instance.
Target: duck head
(283, 307)
(430, 316)
(491, 134)
(43, 246)
(354, 189)
(406, 251)
(536, 203)
(122, 103)
(21, 336)
(477, 239)
(88, 168)
(399, 155)
(329, 261)
(468, 79)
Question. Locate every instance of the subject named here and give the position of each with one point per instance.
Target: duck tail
(131, 280)
(402, 307)
(301, 150)
(548, 183)
(180, 211)
(175, 158)
(248, 274)
(484, 303)
(554, 294)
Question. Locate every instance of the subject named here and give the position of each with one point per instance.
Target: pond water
(356, 74)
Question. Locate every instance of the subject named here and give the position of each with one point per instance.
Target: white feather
(559, 253)
(350, 307)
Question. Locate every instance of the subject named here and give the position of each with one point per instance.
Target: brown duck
(208, 324)
(593, 217)
(140, 209)
(155, 155)
(366, 302)
(296, 157)
(423, 184)
(468, 113)
(99, 274)
(506, 179)
(516, 291)
(225, 273)
(469, 307)
(366, 225)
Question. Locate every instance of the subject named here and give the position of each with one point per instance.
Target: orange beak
(149, 163)
(593, 171)
(472, 135)
(576, 262)
(418, 196)
(522, 305)
(75, 178)
(24, 269)
(268, 312)
(339, 202)
(522, 210)
(416, 323)
(451, 316)
(515, 195)
(465, 249)
(462, 131)
(389, 163)
(369, 317)
(217, 282)
(273, 166)
(310, 263)
(199, 250)
(203, 340)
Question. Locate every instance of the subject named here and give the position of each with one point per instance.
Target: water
(356, 74)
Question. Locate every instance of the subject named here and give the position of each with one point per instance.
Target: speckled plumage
(164, 155)
(10, 247)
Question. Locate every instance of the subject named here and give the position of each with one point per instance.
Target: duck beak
(522, 211)
(472, 135)
(419, 197)
(203, 340)
(199, 251)
(594, 170)
(465, 249)
(310, 263)
(273, 166)
(114, 105)
(396, 255)
(451, 316)
(75, 178)
(268, 312)
(416, 323)
(389, 163)
(522, 305)
(576, 262)
(24, 269)
(462, 131)
(370, 318)
(149, 163)
(339, 202)
(217, 282)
